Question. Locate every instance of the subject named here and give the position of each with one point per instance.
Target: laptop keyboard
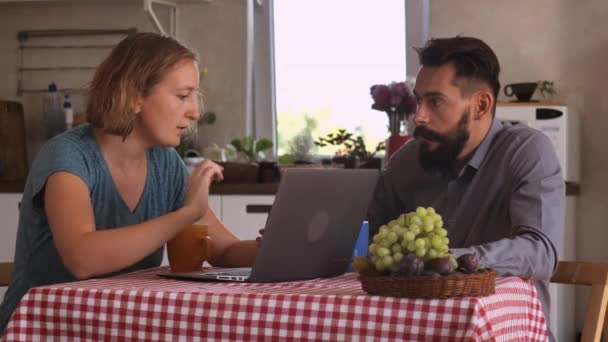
(240, 271)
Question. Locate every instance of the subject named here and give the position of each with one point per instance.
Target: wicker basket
(453, 285)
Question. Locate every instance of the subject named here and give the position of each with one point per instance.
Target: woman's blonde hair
(133, 68)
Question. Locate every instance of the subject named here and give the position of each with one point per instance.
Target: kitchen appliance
(556, 122)
(562, 127)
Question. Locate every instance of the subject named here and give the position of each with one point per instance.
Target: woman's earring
(129, 128)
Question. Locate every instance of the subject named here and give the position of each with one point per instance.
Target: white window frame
(262, 82)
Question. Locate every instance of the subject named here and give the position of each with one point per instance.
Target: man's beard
(442, 159)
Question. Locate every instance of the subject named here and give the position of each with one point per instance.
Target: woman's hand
(259, 238)
(197, 193)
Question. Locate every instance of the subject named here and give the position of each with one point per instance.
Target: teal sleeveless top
(37, 261)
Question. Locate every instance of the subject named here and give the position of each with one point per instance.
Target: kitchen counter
(572, 189)
(244, 189)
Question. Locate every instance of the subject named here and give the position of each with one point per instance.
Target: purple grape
(440, 265)
(409, 266)
(468, 262)
(430, 273)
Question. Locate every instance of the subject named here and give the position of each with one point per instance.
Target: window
(315, 60)
(327, 56)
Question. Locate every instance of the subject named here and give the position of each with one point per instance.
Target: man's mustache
(423, 132)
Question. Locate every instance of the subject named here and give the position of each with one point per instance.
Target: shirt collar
(480, 153)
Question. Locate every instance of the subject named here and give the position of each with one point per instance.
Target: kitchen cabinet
(241, 214)
(9, 212)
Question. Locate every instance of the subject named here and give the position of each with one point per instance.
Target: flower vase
(396, 139)
(394, 143)
(394, 122)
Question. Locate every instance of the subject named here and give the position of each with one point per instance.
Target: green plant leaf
(207, 118)
(263, 144)
(287, 159)
(248, 145)
(238, 146)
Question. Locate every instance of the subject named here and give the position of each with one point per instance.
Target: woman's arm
(87, 252)
(226, 249)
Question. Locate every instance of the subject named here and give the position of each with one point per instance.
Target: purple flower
(395, 97)
(382, 96)
(398, 93)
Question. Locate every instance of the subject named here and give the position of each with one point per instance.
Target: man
(498, 187)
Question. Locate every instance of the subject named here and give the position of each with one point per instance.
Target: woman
(106, 196)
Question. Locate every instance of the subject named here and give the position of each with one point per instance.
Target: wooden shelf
(244, 189)
(521, 104)
(572, 189)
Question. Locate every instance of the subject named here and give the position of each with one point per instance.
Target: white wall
(562, 41)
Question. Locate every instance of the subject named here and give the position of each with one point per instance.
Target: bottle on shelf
(52, 107)
(68, 112)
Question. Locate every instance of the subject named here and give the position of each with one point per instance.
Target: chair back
(6, 270)
(594, 274)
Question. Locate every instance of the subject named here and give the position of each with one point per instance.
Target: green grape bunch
(419, 233)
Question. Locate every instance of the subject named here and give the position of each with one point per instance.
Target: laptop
(311, 229)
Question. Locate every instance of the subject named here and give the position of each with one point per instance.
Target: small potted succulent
(547, 90)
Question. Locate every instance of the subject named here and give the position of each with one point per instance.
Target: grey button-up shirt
(507, 205)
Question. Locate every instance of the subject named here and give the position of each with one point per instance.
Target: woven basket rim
(487, 271)
(446, 286)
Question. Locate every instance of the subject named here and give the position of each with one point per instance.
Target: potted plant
(353, 152)
(547, 90)
(397, 100)
(188, 141)
(251, 152)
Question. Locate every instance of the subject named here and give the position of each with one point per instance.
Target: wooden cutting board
(13, 149)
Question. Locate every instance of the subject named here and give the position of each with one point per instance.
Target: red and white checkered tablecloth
(143, 306)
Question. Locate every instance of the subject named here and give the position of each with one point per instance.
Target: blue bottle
(52, 107)
(361, 245)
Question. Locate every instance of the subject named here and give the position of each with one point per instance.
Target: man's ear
(483, 102)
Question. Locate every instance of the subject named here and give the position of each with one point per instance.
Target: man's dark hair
(473, 60)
